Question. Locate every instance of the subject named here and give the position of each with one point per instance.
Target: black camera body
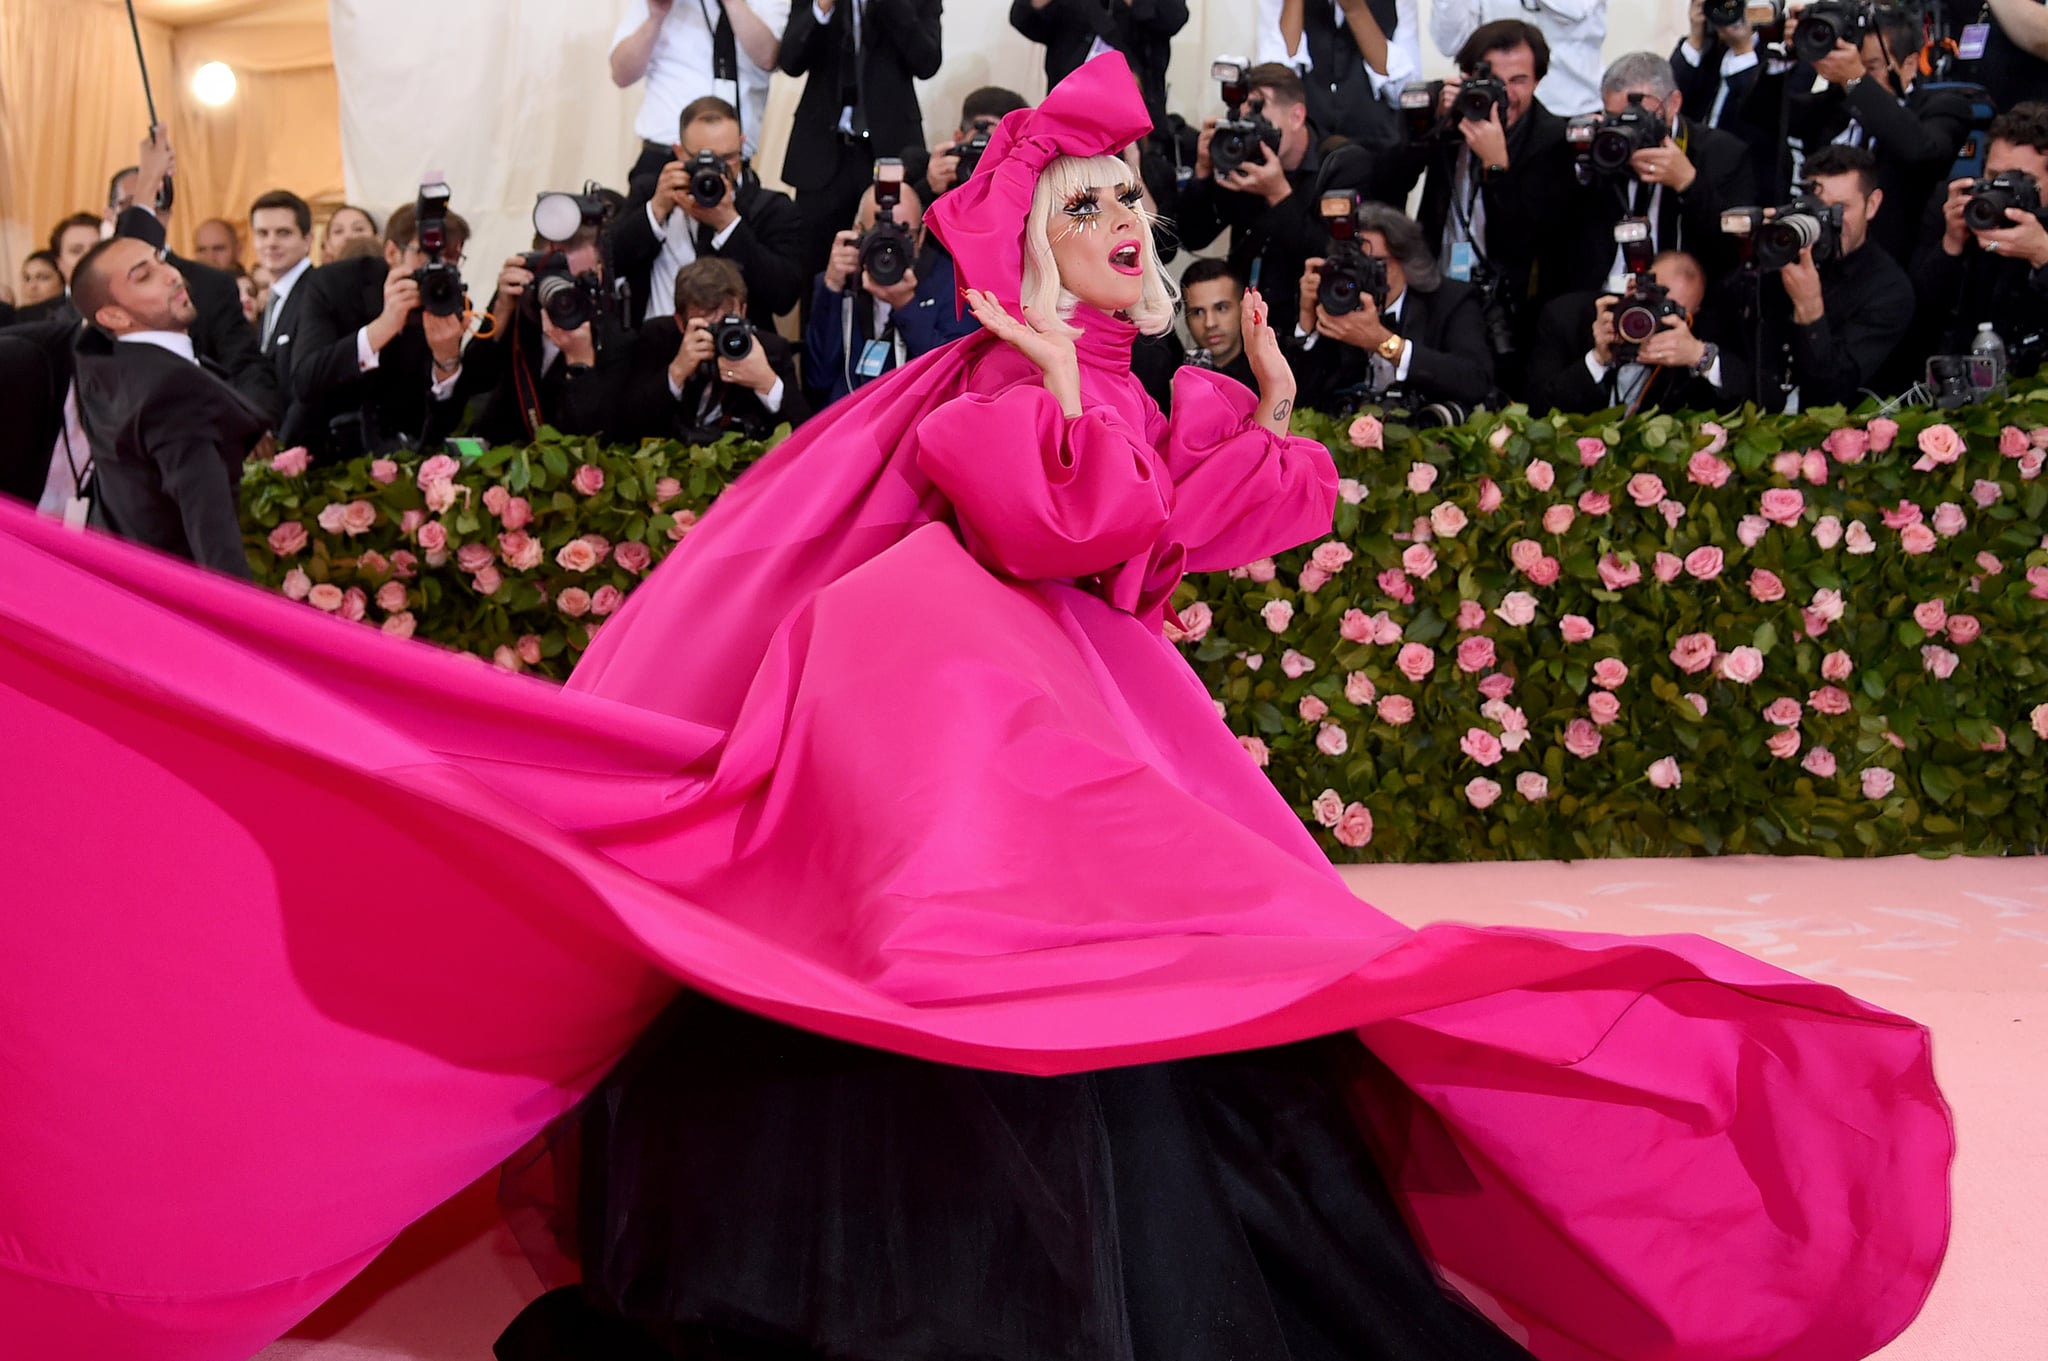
(570, 301)
(732, 337)
(1349, 275)
(440, 283)
(1985, 209)
(970, 153)
(1773, 238)
(886, 249)
(1480, 96)
(1607, 142)
(1640, 315)
(709, 181)
(1247, 135)
(1828, 22)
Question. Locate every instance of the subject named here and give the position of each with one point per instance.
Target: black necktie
(705, 247)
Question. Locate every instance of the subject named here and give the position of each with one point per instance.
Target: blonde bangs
(1062, 180)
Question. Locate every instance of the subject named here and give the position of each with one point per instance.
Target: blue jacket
(928, 322)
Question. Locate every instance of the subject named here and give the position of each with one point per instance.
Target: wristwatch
(1710, 355)
(1390, 349)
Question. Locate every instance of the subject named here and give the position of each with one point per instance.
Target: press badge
(1462, 261)
(1975, 38)
(874, 358)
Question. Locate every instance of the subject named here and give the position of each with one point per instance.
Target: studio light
(214, 83)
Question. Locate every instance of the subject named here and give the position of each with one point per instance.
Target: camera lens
(1636, 324)
(1782, 240)
(734, 338)
(1612, 149)
(885, 255)
(1985, 210)
(1338, 295)
(567, 306)
(1816, 38)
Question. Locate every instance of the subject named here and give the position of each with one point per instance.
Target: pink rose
(1646, 489)
(1895, 740)
(1312, 579)
(1877, 783)
(330, 517)
(1539, 474)
(1497, 686)
(496, 498)
(1616, 574)
(358, 518)
(1544, 573)
(1355, 627)
(1698, 702)
(2013, 441)
(1557, 519)
(325, 596)
(1532, 787)
(1985, 493)
(1278, 614)
(1930, 615)
(373, 564)
(1471, 615)
(1949, 519)
(433, 536)
(1295, 665)
(1858, 539)
(2037, 579)
(1262, 571)
(288, 538)
(1489, 496)
(1396, 710)
(1604, 707)
(1596, 503)
(1331, 740)
(1666, 566)
(354, 604)
(578, 556)
(1359, 689)
(384, 471)
(1421, 533)
(1905, 513)
(1941, 445)
(1783, 505)
(296, 585)
(1331, 557)
(440, 495)
(1816, 626)
(1831, 700)
(1350, 491)
(529, 649)
(1256, 749)
(605, 599)
(1421, 477)
(1576, 628)
(517, 514)
(1784, 712)
(1447, 520)
(1704, 563)
(439, 468)
(1524, 554)
(522, 552)
(404, 564)
(1939, 662)
(1786, 465)
(1195, 620)
(1847, 445)
(1591, 450)
(1664, 774)
(589, 480)
(291, 462)
(507, 659)
(634, 556)
(1672, 511)
(1765, 587)
(400, 625)
(1820, 763)
(1481, 792)
(1693, 653)
(1367, 433)
(410, 522)
(1742, 665)
(1837, 666)
(1750, 530)
(1419, 559)
(574, 602)
(666, 490)
(1581, 739)
(1827, 531)
(2030, 464)
(1882, 432)
(1481, 745)
(1498, 440)
(2038, 718)
(1964, 629)
(1328, 808)
(1415, 661)
(1814, 467)
(391, 597)
(1394, 583)
(1783, 744)
(1609, 673)
(1717, 437)
(1917, 539)
(474, 557)
(1517, 609)
(1385, 632)
(1707, 470)
(487, 581)
(1354, 829)
(1475, 654)
(1997, 742)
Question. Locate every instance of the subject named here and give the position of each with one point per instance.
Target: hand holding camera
(1801, 278)
(1360, 327)
(401, 300)
(578, 346)
(844, 262)
(2002, 212)
(943, 172)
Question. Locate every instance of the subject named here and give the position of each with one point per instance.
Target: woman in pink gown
(892, 759)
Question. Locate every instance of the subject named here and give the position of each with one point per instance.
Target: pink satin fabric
(307, 927)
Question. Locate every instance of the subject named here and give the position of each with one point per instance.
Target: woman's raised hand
(1038, 339)
(1269, 366)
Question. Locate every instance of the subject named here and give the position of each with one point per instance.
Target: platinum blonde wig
(1063, 179)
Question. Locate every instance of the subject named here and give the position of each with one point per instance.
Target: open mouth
(1125, 259)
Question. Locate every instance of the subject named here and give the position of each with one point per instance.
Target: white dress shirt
(177, 342)
(368, 360)
(1576, 30)
(681, 68)
(70, 460)
(1404, 49)
(678, 248)
(1384, 374)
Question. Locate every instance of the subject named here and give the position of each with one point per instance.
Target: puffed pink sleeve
(1241, 492)
(1039, 496)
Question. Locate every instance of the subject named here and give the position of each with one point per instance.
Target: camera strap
(1463, 214)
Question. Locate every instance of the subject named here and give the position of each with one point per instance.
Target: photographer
(1685, 364)
(686, 384)
(1646, 160)
(1264, 202)
(1971, 271)
(1849, 304)
(1574, 31)
(708, 202)
(860, 326)
(1874, 100)
(1715, 65)
(376, 370)
(1423, 340)
(980, 112)
(1075, 30)
(687, 50)
(1350, 54)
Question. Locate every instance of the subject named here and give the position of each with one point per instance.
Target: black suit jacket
(1915, 144)
(35, 374)
(647, 410)
(900, 44)
(1452, 361)
(1560, 380)
(281, 351)
(394, 402)
(1690, 221)
(220, 333)
(1958, 293)
(168, 439)
(1869, 305)
(767, 245)
(505, 371)
(1142, 30)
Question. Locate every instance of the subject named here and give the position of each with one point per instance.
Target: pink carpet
(1960, 945)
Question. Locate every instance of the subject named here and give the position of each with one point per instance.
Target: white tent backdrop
(513, 97)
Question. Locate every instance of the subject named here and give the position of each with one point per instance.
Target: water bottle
(1988, 347)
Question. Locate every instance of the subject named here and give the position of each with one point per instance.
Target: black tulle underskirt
(748, 1191)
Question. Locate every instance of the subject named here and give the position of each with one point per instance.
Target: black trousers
(829, 209)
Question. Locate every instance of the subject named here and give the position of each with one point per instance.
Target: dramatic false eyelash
(1082, 206)
(1132, 197)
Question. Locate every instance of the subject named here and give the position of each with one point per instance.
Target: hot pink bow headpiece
(1095, 111)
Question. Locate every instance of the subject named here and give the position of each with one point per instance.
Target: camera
(1480, 97)
(1349, 274)
(733, 338)
(1418, 110)
(1985, 210)
(571, 301)
(708, 178)
(440, 283)
(886, 250)
(1607, 142)
(1640, 316)
(1959, 380)
(1762, 15)
(1247, 135)
(1823, 25)
(970, 151)
(1774, 237)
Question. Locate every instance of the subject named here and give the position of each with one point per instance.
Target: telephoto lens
(568, 304)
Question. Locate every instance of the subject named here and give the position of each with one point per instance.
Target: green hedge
(1482, 661)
